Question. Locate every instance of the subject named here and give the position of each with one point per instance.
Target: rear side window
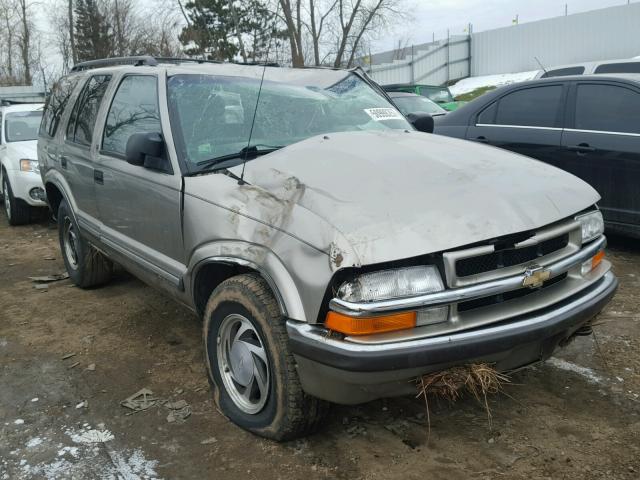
(56, 103)
(488, 115)
(563, 72)
(83, 117)
(624, 67)
(134, 110)
(533, 107)
(607, 108)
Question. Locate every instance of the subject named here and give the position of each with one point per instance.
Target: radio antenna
(541, 65)
(255, 110)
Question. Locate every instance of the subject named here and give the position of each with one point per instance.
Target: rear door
(76, 157)
(140, 208)
(527, 121)
(601, 145)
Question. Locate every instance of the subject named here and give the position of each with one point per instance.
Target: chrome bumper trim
(318, 334)
(494, 287)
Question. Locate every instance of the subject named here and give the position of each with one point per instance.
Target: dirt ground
(576, 416)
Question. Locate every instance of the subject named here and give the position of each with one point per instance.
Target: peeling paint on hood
(399, 194)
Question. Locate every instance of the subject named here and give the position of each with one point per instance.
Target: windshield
(212, 115)
(22, 126)
(437, 94)
(416, 104)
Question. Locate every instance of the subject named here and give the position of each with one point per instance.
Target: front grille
(503, 297)
(509, 257)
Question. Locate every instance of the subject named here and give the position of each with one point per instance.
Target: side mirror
(423, 122)
(145, 149)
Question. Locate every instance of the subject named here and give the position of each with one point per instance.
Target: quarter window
(533, 107)
(56, 104)
(83, 117)
(488, 115)
(134, 110)
(563, 72)
(607, 108)
(624, 67)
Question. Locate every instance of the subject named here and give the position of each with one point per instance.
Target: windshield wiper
(247, 153)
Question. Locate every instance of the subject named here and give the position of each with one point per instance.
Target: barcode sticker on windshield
(379, 114)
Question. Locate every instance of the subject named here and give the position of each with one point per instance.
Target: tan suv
(334, 252)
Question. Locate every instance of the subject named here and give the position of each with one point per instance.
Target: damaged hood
(399, 194)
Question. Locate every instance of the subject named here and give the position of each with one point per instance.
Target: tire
(285, 411)
(87, 267)
(17, 211)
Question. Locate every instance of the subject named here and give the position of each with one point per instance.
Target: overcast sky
(431, 16)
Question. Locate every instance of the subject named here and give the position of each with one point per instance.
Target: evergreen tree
(225, 29)
(93, 35)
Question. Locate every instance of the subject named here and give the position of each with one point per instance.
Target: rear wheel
(87, 267)
(18, 212)
(251, 369)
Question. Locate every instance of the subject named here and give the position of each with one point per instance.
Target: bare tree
(7, 39)
(292, 13)
(24, 38)
(317, 22)
(72, 35)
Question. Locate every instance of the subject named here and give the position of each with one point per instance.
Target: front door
(527, 121)
(140, 208)
(602, 146)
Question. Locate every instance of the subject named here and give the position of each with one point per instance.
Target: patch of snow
(18, 421)
(467, 85)
(3, 342)
(589, 374)
(34, 442)
(86, 460)
(91, 436)
(35, 399)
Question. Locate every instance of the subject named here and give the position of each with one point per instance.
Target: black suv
(587, 125)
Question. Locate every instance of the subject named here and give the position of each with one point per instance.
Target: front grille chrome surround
(566, 236)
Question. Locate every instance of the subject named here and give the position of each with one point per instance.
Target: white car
(19, 172)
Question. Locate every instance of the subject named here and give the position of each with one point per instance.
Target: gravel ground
(577, 416)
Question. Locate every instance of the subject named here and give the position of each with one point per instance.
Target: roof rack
(150, 61)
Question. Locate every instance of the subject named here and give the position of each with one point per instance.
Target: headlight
(592, 225)
(28, 165)
(389, 284)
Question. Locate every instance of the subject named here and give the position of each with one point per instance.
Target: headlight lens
(28, 165)
(389, 284)
(592, 225)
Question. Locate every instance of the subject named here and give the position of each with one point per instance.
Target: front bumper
(22, 183)
(351, 373)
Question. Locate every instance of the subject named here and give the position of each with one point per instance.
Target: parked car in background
(586, 125)
(627, 65)
(20, 178)
(440, 95)
(412, 104)
(333, 252)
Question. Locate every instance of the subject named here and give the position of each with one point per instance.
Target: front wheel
(253, 372)
(18, 212)
(87, 267)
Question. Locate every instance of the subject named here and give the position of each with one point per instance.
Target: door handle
(63, 162)
(581, 148)
(481, 139)
(98, 177)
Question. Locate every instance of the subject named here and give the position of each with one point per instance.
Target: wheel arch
(214, 263)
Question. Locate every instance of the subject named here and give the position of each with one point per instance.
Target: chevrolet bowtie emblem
(535, 276)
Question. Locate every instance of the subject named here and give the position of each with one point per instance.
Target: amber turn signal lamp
(369, 325)
(597, 258)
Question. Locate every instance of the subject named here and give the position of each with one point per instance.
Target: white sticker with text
(379, 114)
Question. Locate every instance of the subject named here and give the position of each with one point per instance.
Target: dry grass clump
(477, 379)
